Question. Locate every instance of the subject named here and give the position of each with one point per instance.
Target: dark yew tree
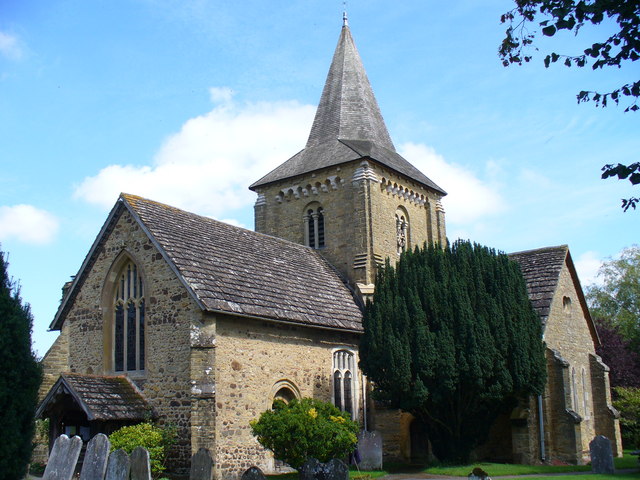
(19, 380)
(619, 23)
(451, 338)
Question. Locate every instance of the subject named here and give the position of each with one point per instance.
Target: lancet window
(314, 227)
(402, 231)
(344, 380)
(128, 321)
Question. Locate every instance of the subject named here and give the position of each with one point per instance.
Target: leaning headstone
(601, 455)
(336, 469)
(140, 467)
(119, 466)
(63, 458)
(202, 465)
(253, 473)
(370, 450)
(310, 470)
(94, 465)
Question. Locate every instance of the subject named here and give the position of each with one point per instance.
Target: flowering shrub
(157, 440)
(305, 428)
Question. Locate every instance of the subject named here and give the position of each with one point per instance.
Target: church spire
(348, 109)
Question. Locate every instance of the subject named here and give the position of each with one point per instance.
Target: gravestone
(140, 468)
(334, 469)
(601, 455)
(63, 458)
(201, 465)
(118, 466)
(253, 473)
(370, 450)
(94, 465)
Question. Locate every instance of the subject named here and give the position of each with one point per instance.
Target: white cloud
(10, 46)
(587, 266)
(468, 198)
(207, 166)
(27, 224)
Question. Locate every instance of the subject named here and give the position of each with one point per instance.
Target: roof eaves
(58, 320)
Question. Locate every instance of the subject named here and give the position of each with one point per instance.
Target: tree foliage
(617, 301)
(157, 440)
(614, 50)
(304, 429)
(616, 352)
(451, 337)
(628, 402)
(20, 379)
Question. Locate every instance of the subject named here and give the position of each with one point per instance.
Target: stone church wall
(253, 360)
(360, 224)
(170, 312)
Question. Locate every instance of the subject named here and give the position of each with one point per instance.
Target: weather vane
(345, 22)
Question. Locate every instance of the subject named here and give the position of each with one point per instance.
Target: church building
(201, 325)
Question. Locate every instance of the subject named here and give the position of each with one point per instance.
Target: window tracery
(314, 227)
(128, 321)
(402, 231)
(344, 376)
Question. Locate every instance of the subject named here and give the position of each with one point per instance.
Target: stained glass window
(128, 330)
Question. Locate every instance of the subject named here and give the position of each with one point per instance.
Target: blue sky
(188, 102)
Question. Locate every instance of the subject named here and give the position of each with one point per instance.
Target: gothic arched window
(128, 321)
(402, 230)
(344, 376)
(313, 219)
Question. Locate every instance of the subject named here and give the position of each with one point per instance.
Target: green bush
(157, 440)
(305, 428)
(628, 402)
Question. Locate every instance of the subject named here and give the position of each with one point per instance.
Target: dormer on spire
(345, 20)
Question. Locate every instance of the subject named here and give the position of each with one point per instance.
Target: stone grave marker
(253, 473)
(140, 467)
(63, 458)
(309, 470)
(370, 450)
(201, 465)
(94, 465)
(334, 469)
(118, 466)
(601, 455)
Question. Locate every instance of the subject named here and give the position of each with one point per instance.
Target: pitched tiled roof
(100, 397)
(348, 124)
(541, 271)
(239, 271)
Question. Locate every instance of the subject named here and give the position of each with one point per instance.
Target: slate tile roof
(100, 397)
(541, 270)
(237, 271)
(348, 124)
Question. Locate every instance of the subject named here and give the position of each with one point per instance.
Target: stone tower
(348, 193)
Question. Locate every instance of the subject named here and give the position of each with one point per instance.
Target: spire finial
(345, 21)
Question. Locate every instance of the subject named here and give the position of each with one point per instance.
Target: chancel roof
(102, 398)
(237, 271)
(348, 124)
(541, 269)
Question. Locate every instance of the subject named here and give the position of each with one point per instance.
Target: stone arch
(313, 225)
(107, 300)
(403, 229)
(284, 390)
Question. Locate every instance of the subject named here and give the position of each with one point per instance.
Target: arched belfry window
(128, 321)
(344, 381)
(402, 230)
(313, 220)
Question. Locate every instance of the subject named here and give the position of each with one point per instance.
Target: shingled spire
(348, 109)
(348, 125)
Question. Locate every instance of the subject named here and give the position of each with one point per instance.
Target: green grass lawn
(493, 469)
